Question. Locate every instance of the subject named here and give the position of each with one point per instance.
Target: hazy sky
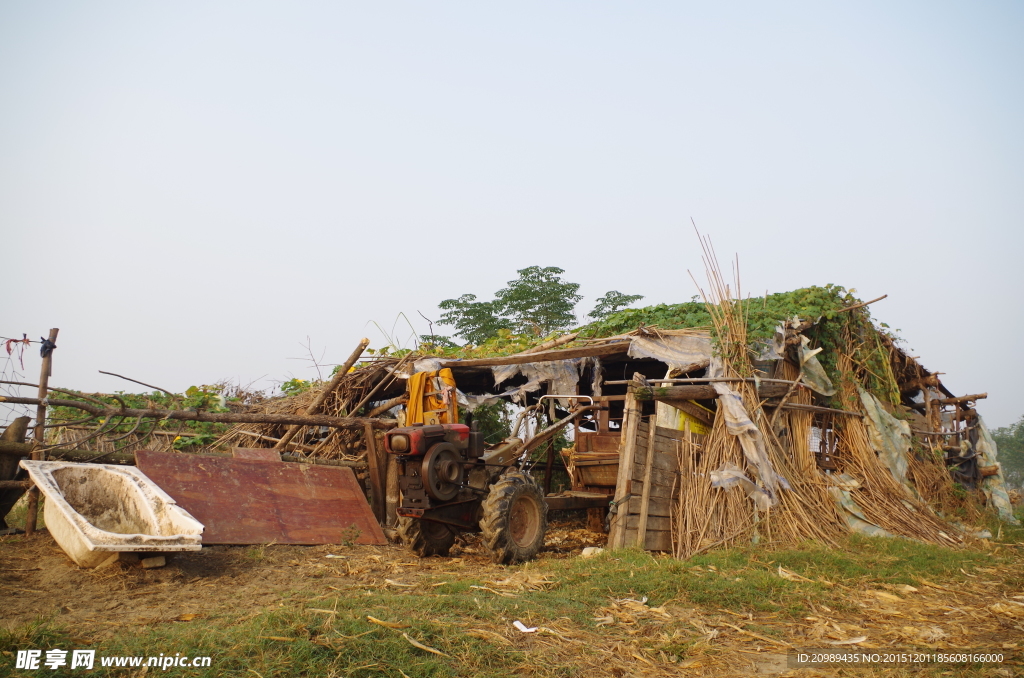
(189, 190)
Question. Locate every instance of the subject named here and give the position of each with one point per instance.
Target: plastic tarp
(426, 365)
(562, 375)
(810, 369)
(730, 475)
(676, 351)
(890, 438)
(994, 487)
(738, 423)
(840, 488)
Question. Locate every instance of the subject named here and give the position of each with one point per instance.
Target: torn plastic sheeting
(767, 350)
(738, 423)
(994, 487)
(839, 488)
(597, 374)
(730, 475)
(890, 438)
(813, 373)
(474, 402)
(427, 365)
(676, 351)
(563, 375)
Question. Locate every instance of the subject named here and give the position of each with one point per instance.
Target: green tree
(611, 302)
(475, 321)
(1010, 441)
(539, 301)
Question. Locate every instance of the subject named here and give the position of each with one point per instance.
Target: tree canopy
(611, 302)
(1010, 443)
(538, 302)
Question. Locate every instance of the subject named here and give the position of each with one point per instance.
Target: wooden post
(377, 477)
(38, 432)
(393, 494)
(645, 498)
(319, 401)
(627, 450)
(12, 449)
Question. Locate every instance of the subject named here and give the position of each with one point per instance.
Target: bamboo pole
(319, 401)
(38, 432)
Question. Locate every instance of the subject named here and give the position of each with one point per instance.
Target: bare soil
(38, 580)
(983, 609)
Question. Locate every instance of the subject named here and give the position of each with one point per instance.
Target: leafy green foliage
(612, 302)
(539, 300)
(475, 321)
(296, 386)
(1010, 441)
(207, 397)
(493, 421)
(763, 314)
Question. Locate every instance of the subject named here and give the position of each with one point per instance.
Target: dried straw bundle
(883, 500)
(355, 392)
(705, 516)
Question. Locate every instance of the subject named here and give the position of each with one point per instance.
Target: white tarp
(810, 369)
(994, 487)
(738, 423)
(676, 351)
(890, 438)
(562, 375)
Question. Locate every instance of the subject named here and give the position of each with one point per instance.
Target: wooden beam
(645, 497)
(318, 402)
(627, 451)
(700, 392)
(39, 431)
(16, 449)
(128, 458)
(698, 413)
(815, 408)
(13, 436)
(557, 341)
(378, 473)
(960, 400)
(214, 417)
(547, 356)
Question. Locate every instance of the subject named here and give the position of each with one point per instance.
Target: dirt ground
(38, 579)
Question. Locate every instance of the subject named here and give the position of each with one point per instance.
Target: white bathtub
(93, 510)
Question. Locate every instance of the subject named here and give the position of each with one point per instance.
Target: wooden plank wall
(627, 523)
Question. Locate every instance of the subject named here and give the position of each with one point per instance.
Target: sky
(195, 192)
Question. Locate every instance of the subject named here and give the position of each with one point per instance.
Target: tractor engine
(433, 464)
(451, 483)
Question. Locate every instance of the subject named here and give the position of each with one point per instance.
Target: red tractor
(450, 483)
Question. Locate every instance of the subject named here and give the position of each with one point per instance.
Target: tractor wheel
(515, 518)
(425, 537)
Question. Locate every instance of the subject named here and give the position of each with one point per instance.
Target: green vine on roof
(837, 330)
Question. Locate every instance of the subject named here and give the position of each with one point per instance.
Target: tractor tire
(515, 518)
(425, 537)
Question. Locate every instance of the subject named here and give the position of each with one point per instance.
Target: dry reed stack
(355, 392)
